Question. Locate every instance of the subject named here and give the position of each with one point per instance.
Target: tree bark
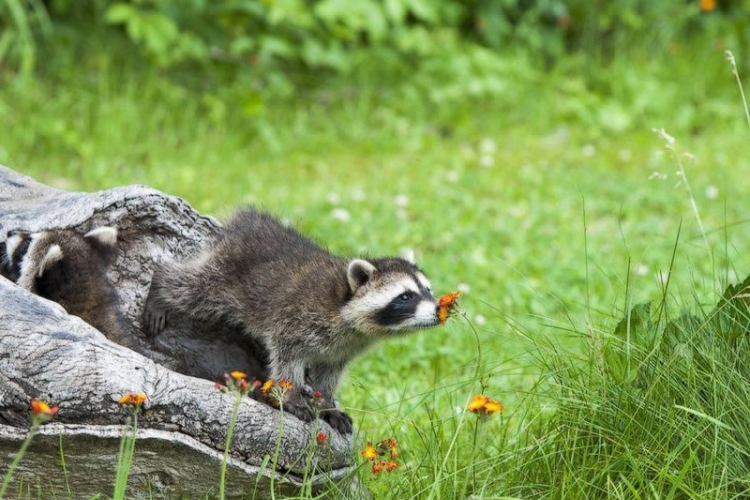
(47, 354)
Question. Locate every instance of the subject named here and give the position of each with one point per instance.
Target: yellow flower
(370, 452)
(493, 406)
(43, 409)
(484, 406)
(707, 5)
(477, 403)
(134, 399)
(267, 386)
(237, 375)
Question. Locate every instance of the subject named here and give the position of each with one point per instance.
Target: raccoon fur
(312, 311)
(71, 269)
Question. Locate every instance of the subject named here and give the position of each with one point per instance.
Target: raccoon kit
(70, 269)
(313, 311)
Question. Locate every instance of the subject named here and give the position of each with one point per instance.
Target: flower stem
(279, 434)
(232, 423)
(19, 456)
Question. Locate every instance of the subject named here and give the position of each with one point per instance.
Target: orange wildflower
(477, 403)
(370, 452)
(243, 385)
(267, 386)
(394, 453)
(446, 304)
(237, 375)
(708, 5)
(318, 395)
(134, 399)
(40, 408)
(377, 467)
(493, 406)
(484, 406)
(322, 437)
(285, 384)
(391, 466)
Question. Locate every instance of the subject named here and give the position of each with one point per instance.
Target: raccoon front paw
(154, 318)
(339, 420)
(302, 411)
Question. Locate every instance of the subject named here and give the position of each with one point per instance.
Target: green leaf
(119, 13)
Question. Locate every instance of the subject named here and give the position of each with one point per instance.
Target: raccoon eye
(405, 297)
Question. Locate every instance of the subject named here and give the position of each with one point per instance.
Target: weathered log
(47, 354)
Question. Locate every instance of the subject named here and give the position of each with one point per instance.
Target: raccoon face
(389, 296)
(59, 265)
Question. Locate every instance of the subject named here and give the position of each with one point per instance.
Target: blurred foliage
(272, 36)
(439, 58)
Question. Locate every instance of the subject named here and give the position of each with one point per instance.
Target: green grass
(491, 195)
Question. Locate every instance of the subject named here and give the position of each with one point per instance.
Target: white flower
(401, 200)
(712, 192)
(486, 161)
(487, 146)
(480, 320)
(333, 198)
(668, 139)
(588, 150)
(341, 214)
(640, 269)
(463, 288)
(358, 194)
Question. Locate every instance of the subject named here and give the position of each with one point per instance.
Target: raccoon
(70, 269)
(311, 310)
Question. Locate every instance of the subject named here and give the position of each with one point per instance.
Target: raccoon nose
(12, 233)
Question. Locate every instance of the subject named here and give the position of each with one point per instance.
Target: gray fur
(70, 269)
(313, 311)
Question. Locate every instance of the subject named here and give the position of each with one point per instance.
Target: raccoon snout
(12, 233)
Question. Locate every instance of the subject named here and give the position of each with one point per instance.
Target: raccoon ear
(408, 255)
(105, 236)
(54, 255)
(359, 272)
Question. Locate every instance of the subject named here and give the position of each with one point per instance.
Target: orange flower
(391, 466)
(708, 5)
(493, 406)
(377, 467)
(134, 399)
(40, 408)
(484, 406)
(394, 453)
(322, 437)
(285, 384)
(267, 386)
(446, 304)
(370, 452)
(243, 385)
(237, 375)
(477, 403)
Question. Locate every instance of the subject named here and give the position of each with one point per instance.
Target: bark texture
(47, 354)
